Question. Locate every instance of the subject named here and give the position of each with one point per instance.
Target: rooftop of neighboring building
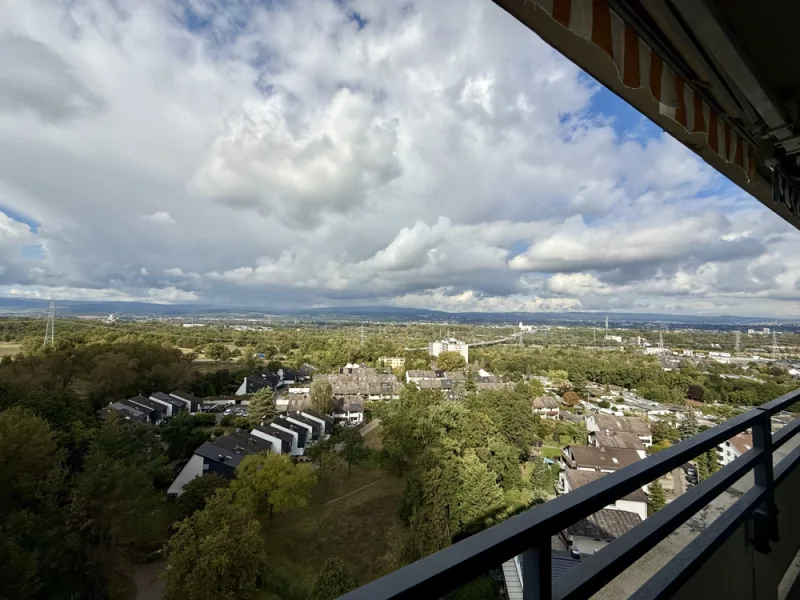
(545, 402)
(742, 442)
(622, 424)
(578, 479)
(602, 458)
(618, 439)
(168, 399)
(605, 524)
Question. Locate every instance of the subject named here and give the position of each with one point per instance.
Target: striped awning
(640, 67)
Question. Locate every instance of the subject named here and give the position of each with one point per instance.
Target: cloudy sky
(431, 154)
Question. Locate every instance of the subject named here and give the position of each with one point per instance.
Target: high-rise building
(449, 345)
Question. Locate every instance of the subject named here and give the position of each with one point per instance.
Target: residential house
(732, 449)
(173, 405)
(546, 406)
(572, 479)
(610, 423)
(156, 413)
(280, 440)
(617, 439)
(324, 420)
(191, 401)
(349, 409)
(301, 434)
(313, 427)
(125, 411)
(592, 458)
(221, 456)
(257, 381)
(417, 375)
(596, 531)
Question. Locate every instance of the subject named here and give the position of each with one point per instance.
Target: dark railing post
(765, 518)
(537, 583)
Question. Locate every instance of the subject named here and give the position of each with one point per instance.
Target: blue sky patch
(21, 218)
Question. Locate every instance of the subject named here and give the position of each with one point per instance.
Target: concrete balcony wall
(736, 570)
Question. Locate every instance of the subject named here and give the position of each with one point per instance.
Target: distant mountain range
(372, 313)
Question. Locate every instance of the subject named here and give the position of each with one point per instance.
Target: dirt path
(343, 496)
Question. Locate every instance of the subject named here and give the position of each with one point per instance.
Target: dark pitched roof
(146, 410)
(159, 408)
(328, 420)
(316, 426)
(232, 448)
(258, 381)
(194, 401)
(605, 524)
(275, 432)
(562, 563)
(603, 458)
(580, 478)
(169, 399)
(302, 432)
(134, 411)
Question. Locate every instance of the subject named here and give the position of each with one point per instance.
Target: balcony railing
(529, 533)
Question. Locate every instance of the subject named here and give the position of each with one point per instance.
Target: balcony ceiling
(736, 60)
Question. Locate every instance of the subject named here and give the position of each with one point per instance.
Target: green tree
(663, 430)
(542, 479)
(218, 351)
(272, 482)
(31, 479)
(321, 394)
(182, 434)
(261, 407)
(656, 498)
(558, 377)
(450, 361)
(334, 580)
(689, 427)
(112, 517)
(323, 456)
(216, 554)
(353, 449)
(197, 492)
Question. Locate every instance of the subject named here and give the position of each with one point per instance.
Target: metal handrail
(530, 531)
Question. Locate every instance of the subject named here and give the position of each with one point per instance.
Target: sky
(432, 154)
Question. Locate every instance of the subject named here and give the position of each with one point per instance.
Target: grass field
(9, 348)
(373, 438)
(551, 451)
(349, 516)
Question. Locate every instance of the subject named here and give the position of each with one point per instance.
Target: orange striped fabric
(638, 66)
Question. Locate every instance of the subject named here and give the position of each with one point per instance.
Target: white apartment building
(394, 362)
(449, 345)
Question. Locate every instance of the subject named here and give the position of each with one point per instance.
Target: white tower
(737, 345)
(774, 346)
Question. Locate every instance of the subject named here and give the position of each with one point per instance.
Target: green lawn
(551, 451)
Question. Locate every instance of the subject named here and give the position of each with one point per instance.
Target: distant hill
(375, 313)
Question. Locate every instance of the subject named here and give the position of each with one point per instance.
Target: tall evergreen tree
(689, 427)
(656, 499)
